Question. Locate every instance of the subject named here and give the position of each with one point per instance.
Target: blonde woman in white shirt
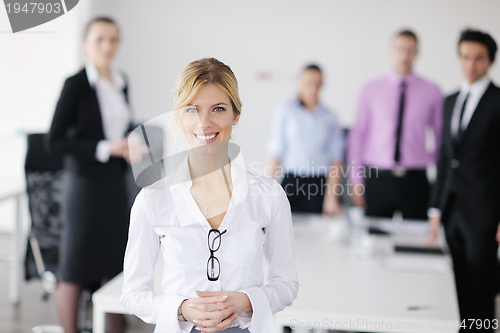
(213, 223)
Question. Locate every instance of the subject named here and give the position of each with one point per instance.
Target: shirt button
(454, 163)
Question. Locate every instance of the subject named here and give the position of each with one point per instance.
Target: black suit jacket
(77, 127)
(471, 169)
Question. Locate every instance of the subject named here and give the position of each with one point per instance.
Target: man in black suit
(466, 195)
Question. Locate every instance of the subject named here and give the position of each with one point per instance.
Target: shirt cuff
(167, 321)
(244, 319)
(433, 212)
(102, 151)
(261, 319)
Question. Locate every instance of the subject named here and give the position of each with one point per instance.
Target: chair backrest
(43, 181)
(43, 187)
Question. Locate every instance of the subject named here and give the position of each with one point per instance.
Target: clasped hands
(215, 311)
(131, 149)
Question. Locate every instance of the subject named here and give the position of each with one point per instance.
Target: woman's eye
(191, 110)
(219, 109)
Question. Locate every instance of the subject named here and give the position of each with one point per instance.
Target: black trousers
(475, 264)
(305, 194)
(385, 193)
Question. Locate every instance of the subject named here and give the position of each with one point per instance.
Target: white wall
(33, 66)
(349, 39)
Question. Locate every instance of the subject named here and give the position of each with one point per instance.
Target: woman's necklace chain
(206, 212)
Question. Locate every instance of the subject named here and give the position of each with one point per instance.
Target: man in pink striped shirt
(389, 138)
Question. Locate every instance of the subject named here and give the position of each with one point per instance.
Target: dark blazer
(471, 168)
(77, 127)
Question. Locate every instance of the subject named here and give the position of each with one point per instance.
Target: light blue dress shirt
(306, 142)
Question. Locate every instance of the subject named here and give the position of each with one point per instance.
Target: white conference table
(348, 282)
(14, 189)
(358, 283)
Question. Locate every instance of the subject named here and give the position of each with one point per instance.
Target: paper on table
(404, 228)
(321, 223)
(413, 264)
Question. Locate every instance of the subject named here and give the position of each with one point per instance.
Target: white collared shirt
(165, 218)
(115, 113)
(476, 91)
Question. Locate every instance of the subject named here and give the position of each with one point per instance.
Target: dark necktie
(397, 154)
(459, 131)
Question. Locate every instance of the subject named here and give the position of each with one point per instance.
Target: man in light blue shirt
(306, 149)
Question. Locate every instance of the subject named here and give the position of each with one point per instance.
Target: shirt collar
(397, 78)
(94, 76)
(478, 87)
(181, 183)
(317, 109)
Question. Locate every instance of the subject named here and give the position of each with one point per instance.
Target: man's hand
(498, 233)
(358, 198)
(331, 205)
(431, 238)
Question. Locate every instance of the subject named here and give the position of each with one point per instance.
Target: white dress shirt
(476, 91)
(115, 113)
(165, 218)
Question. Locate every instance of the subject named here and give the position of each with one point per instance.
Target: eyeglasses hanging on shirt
(213, 264)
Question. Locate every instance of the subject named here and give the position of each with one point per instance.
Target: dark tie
(459, 131)
(397, 154)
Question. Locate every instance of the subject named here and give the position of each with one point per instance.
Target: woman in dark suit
(90, 123)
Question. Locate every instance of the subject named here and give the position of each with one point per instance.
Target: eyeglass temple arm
(219, 235)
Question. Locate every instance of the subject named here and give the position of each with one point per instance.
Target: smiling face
(208, 118)
(100, 43)
(474, 60)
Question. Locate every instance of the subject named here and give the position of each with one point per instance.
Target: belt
(399, 171)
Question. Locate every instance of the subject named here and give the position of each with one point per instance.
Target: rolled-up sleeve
(357, 135)
(138, 296)
(283, 284)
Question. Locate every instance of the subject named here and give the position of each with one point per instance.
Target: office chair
(44, 174)
(43, 186)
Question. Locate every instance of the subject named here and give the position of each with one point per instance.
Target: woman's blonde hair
(198, 73)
